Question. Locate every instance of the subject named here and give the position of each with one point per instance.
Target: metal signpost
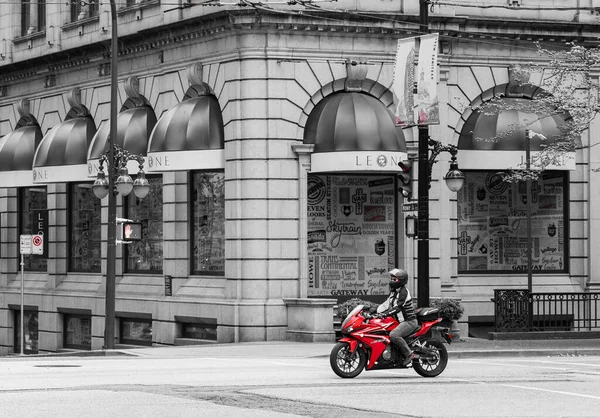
(30, 244)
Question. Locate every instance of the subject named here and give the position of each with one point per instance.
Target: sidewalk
(465, 348)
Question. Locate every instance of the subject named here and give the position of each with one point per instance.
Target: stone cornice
(227, 21)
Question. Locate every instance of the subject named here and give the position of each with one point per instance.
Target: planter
(310, 320)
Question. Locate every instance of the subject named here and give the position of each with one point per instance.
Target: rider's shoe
(407, 362)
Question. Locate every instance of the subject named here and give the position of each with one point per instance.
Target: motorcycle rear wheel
(431, 366)
(346, 364)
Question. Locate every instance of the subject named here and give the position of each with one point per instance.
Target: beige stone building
(270, 143)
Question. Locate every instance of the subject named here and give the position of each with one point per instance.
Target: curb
(525, 353)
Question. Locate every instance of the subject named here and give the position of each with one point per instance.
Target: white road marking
(581, 395)
(566, 367)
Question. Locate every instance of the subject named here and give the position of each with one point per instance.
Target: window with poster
(351, 235)
(30, 331)
(32, 221)
(208, 223)
(85, 225)
(492, 223)
(146, 255)
(78, 331)
(136, 331)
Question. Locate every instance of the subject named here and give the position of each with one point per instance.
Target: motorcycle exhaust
(445, 333)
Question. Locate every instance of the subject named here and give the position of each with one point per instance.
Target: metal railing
(519, 310)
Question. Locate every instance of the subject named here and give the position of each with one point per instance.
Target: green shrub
(450, 309)
(346, 307)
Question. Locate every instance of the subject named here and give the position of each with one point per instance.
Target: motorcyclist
(399, 304)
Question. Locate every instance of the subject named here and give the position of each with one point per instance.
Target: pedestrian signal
(132, 231)
(405, 179)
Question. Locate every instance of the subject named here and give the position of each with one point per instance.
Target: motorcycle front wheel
(346, 364)
(433, 361)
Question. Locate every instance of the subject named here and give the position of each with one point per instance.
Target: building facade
(270, 144)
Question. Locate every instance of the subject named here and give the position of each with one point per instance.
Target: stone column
(304, 151)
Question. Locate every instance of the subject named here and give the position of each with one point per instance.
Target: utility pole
(423, 190)
(111, 243)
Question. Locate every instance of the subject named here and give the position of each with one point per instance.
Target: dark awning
(17, 149)
(62, 154)
(504, 133)
(354, 132)
(189, 136)
(134, 126)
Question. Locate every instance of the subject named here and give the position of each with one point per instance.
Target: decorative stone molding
(132, 87)
(74, 100)
(356, 73)
(23, 107)
(194, 73)
(26, 116)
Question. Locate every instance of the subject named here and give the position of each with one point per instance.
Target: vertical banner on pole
(427, 106)
(404, 80)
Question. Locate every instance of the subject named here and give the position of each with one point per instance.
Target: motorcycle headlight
(347, 330)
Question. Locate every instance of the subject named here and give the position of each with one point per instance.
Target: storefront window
(30, 319)
(85, 229)
(146, 255)
(136, 331)
(208, 223)
(351, 234)
(78, 332)
(492, 223)
(34, 221)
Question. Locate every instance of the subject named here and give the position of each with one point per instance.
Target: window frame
(26, 17)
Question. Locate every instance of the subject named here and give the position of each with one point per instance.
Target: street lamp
(123, 184)
(454, 177)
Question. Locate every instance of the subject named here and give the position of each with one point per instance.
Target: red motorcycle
(366, 342)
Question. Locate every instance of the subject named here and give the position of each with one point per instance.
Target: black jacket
(400, 301)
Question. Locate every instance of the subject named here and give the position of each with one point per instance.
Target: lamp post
(454, 180)
(116, 160)
(119, 182)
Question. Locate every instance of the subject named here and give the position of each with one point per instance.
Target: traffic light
(132, 231)
(405, 179)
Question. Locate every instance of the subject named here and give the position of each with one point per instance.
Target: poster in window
(351, 234)
(492, 223)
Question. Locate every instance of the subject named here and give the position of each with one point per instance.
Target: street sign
(37, 242)
(32, 244)
(25, 247)
(410, 207)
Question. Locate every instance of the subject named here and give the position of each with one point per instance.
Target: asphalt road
(271, 386)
